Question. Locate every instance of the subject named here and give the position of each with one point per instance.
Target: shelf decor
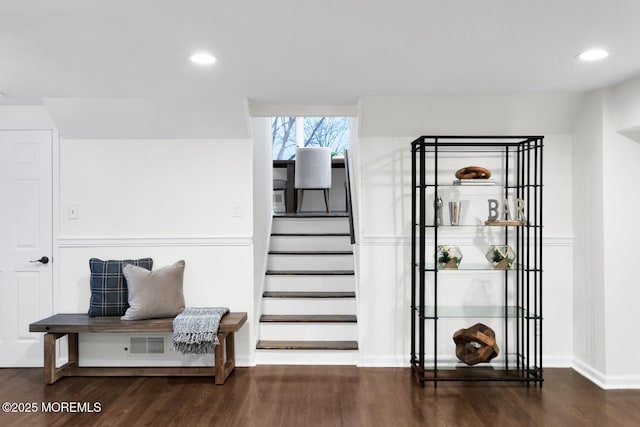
(501, 257)
(473, 172)
(449, 257)
(473, 175)
(505, 223)
(454, 212)
(476, 344)
(504, 219)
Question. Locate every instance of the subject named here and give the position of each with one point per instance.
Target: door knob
(43, 260)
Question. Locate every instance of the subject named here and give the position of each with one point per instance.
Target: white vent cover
(146, 345)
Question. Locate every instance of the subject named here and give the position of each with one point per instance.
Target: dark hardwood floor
(316, 396)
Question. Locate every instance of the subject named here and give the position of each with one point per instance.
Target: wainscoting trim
(137, 242)
(461, 240)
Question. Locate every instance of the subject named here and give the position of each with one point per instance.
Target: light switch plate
(72, 212)
(236, 210)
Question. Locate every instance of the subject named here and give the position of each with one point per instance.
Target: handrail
(347, 178)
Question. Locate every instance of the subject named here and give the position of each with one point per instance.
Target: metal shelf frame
(523, 177)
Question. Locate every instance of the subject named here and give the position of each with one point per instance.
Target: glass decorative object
(501, 256)
(448, 257)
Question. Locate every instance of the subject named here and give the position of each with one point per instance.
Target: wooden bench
(59, 325)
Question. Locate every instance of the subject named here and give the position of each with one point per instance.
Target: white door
(25, 236)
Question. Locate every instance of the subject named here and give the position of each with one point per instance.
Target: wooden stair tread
(307, 294)
(309, 318)
(298, 215)
(310, 252)
(307, 345)
(311, 234)
(310, 273)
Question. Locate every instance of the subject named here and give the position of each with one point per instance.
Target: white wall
(626, 105)
(159, 188)
(160, 117)
(25, 117)
(622, 234)
(588, 194)
(167, 199)
(388, 125)
(528, 114)
(605, 195)
(263, 208)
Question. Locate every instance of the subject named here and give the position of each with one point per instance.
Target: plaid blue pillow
(109, 295)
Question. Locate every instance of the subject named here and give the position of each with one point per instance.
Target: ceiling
(331, 52)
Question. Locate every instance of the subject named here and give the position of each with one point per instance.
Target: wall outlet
(236, 210)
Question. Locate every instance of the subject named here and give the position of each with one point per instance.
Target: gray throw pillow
(156, 293)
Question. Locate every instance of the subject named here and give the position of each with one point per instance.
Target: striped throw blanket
(195, 329)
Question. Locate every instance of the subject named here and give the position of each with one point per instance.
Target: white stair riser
(310, 283)
(307, 357)
(310, 243)
(310, 262)
(309, 306)
(310, 225)
(308, 331)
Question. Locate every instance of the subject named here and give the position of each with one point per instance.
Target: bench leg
(226, 347)
(50, 358)
(72, 345)
(51, 372)
(231, 349)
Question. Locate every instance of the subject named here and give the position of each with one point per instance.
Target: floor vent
(146, 345)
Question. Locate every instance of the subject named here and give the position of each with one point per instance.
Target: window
(289, 132)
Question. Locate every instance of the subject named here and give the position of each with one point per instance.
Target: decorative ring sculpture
(473, 172)
(476, 344)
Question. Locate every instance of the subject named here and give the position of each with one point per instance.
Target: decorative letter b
(493, 210)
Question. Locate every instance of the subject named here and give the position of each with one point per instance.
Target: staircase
(309, 300)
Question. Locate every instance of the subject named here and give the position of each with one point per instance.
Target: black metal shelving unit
(518, 313)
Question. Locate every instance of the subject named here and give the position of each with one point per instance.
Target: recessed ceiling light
(593, 54)
(203, 58)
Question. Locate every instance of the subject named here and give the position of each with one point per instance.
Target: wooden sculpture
(473, 172)
(476, 344)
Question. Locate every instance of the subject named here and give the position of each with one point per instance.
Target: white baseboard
(557, 362)
(606, 382)
(242, 362)
(245, 362)
(389, 361)
(26, 363)
(306, 357)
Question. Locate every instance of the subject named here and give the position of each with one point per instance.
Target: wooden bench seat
(70, 325)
